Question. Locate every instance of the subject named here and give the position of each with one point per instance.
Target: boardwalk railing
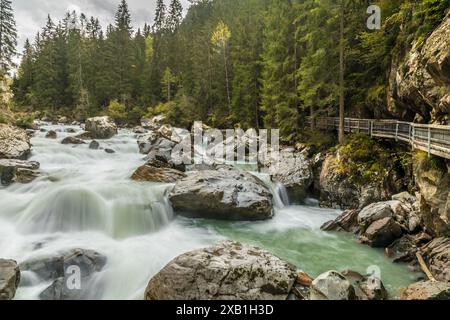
(433, 139)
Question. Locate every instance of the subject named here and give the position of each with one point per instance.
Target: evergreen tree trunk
(341, 79)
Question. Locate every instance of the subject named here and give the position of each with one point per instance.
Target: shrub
(117, 111)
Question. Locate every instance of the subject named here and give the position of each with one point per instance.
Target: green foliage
(367, 160)
(117, 111)
(24, 120)
(252, 63)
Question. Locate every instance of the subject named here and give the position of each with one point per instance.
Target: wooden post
(429, 142)
(396, 132)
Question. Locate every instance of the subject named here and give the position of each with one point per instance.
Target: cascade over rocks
(14, 143)
(294, 171)
(9, 279)
(54, 269)
(101, 127)
(222, 194)
(227, 271)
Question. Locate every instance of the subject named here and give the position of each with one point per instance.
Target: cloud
(31, 15)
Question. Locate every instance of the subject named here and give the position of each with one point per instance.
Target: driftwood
(424, 267)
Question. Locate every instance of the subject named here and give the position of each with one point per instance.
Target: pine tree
(175, 15)
(160, 17)
(8, 37)
(279, 95)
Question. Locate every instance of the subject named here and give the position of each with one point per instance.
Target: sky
(31, 15)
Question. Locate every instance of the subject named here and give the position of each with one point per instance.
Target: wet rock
(437, 255)
(51, 134)
(54, 267)
(347, 221)
(110, 151)
(366, 287)
(14, 143)
(404, 250)
(59, 269)
(9, 279)
(84, 136)
(382, 233)
(94, 145)
(21, 171)
(63, 120)
(139, 130)
(72, 140)
(70, 130)
(150, 173)
(227, 271)
(427, 290)
(223, 194)
(101, 127)
(154, 123)
(146, 142)
(332, 286)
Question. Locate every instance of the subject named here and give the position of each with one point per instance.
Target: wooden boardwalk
(433, 139)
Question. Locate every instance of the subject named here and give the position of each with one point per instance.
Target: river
(85, 199)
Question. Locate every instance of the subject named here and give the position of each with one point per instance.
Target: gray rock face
(223, 194)
(332, 286)
(427, 290)
(101, 127)
(420, 83)
(433, 181)
(227, 271)
(437, 255)
(14, 143)
(294, 172)
(18, 171)
(9, 279)
(55, 268)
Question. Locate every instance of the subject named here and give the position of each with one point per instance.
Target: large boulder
(149, 173)
(427, 290)
(295, 172)
(222, 194)
(366, 287)
(14, 143)
(9, 279)
(332, 285)
(51, 134)
(22, 171)
(347, 221)
(101, 127)
(227, 271)
(382, 233)
(56, 269)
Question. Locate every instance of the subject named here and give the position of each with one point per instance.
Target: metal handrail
(433, 139)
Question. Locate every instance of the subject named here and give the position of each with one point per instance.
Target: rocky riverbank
(394, 201)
